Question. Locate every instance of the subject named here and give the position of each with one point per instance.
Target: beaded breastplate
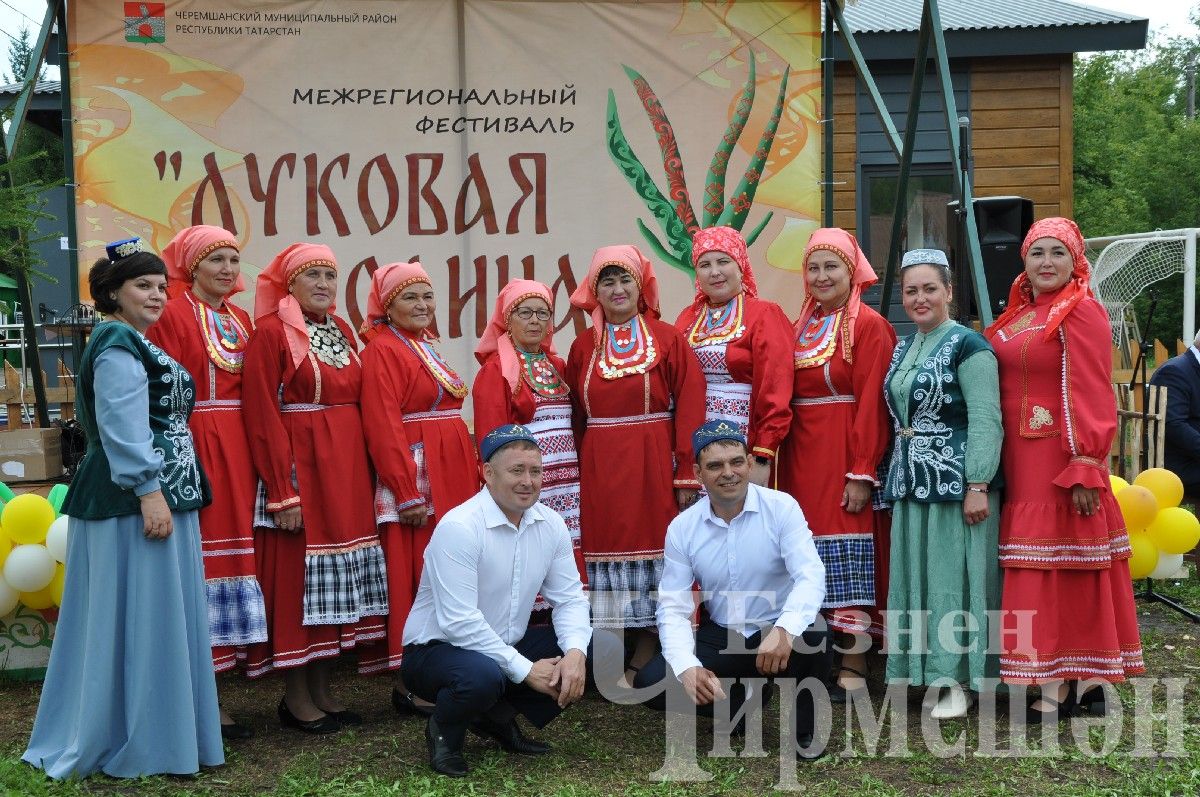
(718, 324)
(224, 337)
(628, 349)
(435, 364)
(817, 341)
(327, 343)
(541, 375)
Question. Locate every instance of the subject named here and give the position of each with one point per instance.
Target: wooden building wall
(845, 149)
(1021, 115)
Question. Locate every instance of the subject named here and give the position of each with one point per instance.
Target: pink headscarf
(273, 292)
(862, 276)
(1020, 295)
(496, 338)
(190, 246)
(386, 284)
(729, 241)
(631, 259)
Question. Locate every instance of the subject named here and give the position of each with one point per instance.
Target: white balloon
(29, 568)
(56, 538)
(8, 598)
(1168, 565)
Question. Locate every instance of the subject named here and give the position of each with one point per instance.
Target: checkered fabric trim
(621, 592)
(849, 571)
(263, 518)
(344, 587)
(236, 615)
(386, 508)
(881, 472)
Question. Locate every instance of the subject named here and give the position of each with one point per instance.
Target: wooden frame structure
(931, 36)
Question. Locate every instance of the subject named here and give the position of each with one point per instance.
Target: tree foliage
(48, 167)
(1137, 154)
(20, 53)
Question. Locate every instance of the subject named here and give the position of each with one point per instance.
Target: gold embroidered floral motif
(1041, 417)
(1024, 322)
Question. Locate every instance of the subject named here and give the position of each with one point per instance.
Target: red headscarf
(496, 339)
(1020, 295)
(862, 276)
(731, 242)
(190, 246)
(386, 284)
(273, 292)
(631, 259)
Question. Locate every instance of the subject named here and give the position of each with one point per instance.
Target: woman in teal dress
(130, 689)
(944, 397)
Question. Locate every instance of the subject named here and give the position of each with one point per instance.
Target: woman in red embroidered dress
(743, 343)
(1062, 538)
(521, 381)
(638, 395)
(839, 433)
(425, 464)
(319, 559)
(208, 335)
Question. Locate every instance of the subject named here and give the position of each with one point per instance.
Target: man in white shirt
(760, 578)
(467, 645)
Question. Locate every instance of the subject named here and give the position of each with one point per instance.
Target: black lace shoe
(444, 757)
(509, 736)
(805, 750)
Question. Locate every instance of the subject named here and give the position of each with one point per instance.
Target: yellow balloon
(42, 599)
(6, 547)
(1116, 483)
(1175, 530)
(1145, 555)
(1166, 486)
(27, 518)
(1138, 506)
(57, 583)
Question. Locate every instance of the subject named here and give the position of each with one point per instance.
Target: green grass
(602, 749)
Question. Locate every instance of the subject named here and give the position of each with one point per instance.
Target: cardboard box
(31, 455)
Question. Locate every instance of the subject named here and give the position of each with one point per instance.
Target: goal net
(1125, 266)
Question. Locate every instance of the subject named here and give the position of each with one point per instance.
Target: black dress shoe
(235, 731)
(405, 703)
(346, 717)
(509, 736)
(804, 748)
(324, 724)
(444, 757)
(1056, 712)
(1094, 701)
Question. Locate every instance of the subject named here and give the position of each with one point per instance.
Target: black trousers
(465, 684)
(730, 655)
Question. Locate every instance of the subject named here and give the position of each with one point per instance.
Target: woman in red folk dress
(521, 381)
(206, 334)
(319, 560)
(839, 433)
(425, 464)
(1063, 544)
(638, 395)
(743, 343)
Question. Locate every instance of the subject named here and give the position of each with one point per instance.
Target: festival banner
(488, 139)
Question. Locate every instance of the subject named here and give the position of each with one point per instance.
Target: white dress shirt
(482, 576)
(759, 571)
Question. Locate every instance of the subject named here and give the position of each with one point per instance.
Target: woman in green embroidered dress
(944, 397)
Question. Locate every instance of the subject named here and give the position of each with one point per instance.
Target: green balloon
(57, 494)
(6, 494)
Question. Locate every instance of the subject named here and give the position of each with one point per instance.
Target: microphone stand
(1139, 375)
